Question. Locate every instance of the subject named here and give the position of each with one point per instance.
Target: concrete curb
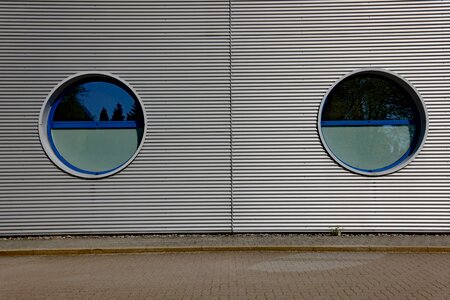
(281, 248)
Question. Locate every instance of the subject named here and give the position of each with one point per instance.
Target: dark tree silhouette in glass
(369, 97)
(104, 115)
(118, 113)
(135, 113)
(71, 108)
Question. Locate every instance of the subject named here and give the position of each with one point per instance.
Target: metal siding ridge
(179, 66)
(178, 56)
(283, 178)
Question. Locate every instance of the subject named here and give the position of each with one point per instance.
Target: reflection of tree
(368, 97)
(118, 113)
(135, 113)
(71, 109)
(104, 115)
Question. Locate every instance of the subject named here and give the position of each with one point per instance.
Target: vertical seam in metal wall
(282, 58)
(230, 31)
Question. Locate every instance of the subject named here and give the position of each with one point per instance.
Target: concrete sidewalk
(62, 245)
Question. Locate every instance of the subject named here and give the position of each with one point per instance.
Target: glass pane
(369, 97)
(97, 101)
(97, 150)
(369, 147)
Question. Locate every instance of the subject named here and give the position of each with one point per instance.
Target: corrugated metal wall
(286, 55)
(220, 77)
(175, 54)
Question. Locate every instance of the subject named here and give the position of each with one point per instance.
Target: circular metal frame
(46, 111)
(418, 101)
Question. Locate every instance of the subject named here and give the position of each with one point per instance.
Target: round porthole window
(372, 122)
(92, 125)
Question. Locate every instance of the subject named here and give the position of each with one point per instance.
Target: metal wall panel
(175, 54)
(285, 56)
(193, 63)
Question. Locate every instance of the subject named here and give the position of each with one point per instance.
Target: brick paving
(228, 275)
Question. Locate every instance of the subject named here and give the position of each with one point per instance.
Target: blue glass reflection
(97, 100)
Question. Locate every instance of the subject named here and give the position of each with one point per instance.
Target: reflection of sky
(104, 94)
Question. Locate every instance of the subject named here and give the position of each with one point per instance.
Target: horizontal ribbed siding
(175, 54)
(275, 62)
(285, 56)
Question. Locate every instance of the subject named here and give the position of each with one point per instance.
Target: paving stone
(227, 275)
